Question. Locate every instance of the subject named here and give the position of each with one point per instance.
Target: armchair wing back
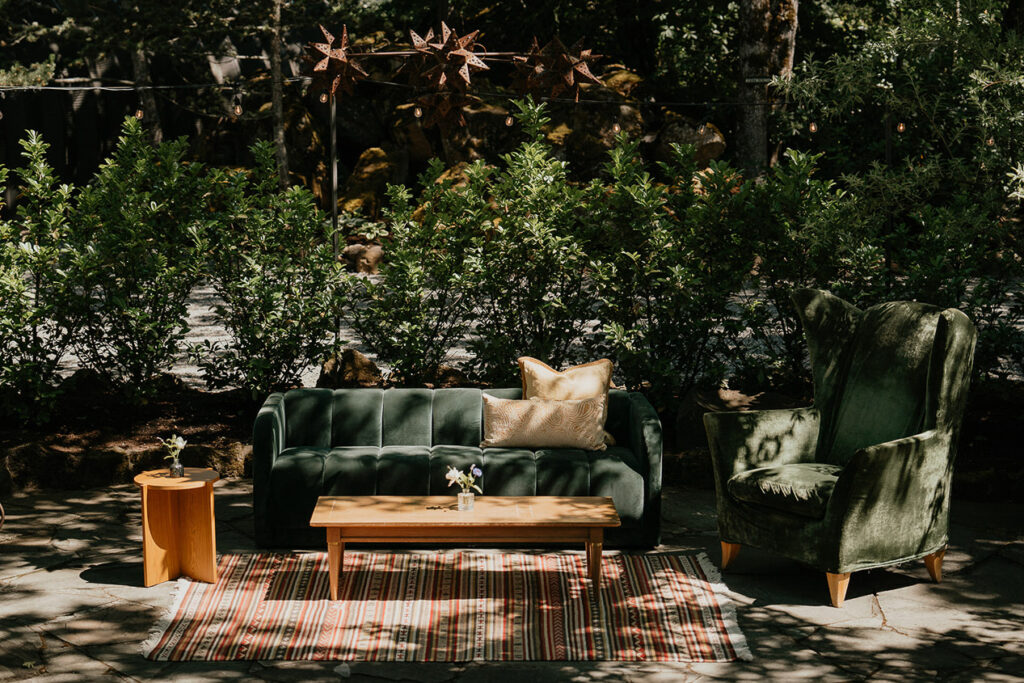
(862, 479)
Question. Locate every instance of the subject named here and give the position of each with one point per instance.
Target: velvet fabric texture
(862, 479)
(313, 442)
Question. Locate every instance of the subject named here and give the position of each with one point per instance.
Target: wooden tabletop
(442, 511)
(195, 477)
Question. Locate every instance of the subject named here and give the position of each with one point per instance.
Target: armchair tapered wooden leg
(934, 564)
(729, 553)
(837, 585)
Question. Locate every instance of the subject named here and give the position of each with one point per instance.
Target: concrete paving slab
(72, 604)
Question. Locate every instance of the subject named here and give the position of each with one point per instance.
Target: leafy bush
(272, 263)
(38, 322)
(675, 257)
(419, 307)
(799, 239)
(533, 295)
(141, 227)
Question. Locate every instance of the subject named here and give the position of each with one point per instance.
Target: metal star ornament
(333, 66)
(555, 68)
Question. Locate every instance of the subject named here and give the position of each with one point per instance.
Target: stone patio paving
(72, 605)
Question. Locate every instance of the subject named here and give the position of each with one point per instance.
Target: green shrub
(675, 257)
(141, 225)
(272, 264)
(800, 239)
(532, 291)
(38, 321)
(418, 309)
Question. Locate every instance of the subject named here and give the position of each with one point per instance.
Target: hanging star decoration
(555, 68)
(333, 67)
(447, 63)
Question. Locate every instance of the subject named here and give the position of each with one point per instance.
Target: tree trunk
(767, 47)
(277, 96)
(140, 65)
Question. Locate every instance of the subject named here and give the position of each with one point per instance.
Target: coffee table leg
(335, 558)
(595, 545)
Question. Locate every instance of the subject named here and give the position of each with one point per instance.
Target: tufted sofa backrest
(326, 418)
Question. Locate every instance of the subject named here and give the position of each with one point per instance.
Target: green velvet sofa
(346, 442)
(861, 479)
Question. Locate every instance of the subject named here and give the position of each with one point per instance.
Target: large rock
(363, 258)
(352, 369)
(707, 139)
(367, 183)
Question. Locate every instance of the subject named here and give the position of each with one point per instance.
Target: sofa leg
(837, 585)
(934, 564)
(729, 553)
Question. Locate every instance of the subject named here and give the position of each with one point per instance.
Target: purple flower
(476, 471)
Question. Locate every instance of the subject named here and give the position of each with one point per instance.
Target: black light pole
(334, 175)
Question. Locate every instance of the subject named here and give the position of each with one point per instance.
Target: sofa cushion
(539, 423)
(350, 471)
(456, 418)
(563, 472)
(405, 417)
(403, 471)
(509, 472)
(616, 473)
(444, 456)
(308, 421)
(800, 489)
(356, 417)
(296, 480)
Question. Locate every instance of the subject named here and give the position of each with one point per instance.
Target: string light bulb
(616, 128)
(237, 109)
(813, 127)
(139, 113)
(417, 112)
(509, 121)
(702, 129)
(323, 98)
(901, 127)
(990, 142)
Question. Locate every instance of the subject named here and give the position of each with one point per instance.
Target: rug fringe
(732, 626)
(164, 622)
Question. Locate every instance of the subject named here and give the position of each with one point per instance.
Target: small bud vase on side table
(466, 500)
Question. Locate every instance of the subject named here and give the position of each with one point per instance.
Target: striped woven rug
(452, 606)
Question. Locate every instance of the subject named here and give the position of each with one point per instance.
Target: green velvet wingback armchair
(862, 478)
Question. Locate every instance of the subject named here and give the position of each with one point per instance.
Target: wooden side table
(178, 535)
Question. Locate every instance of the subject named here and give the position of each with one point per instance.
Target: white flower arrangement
(466, 481)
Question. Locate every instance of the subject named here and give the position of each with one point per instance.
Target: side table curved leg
(197, 538)
(161, 559)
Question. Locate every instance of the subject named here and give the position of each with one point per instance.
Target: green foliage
(931, 204)
(141, 227)
(533, 296)
(38, 322)
(272, 263)
(675, 257)
(800, 239)
(419, 307)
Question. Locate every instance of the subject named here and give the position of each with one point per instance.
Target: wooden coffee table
(178, 534)
(436, 519)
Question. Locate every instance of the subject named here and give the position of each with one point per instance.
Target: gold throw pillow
(540, 380)
(540, 423)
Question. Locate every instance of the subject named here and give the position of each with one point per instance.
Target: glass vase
(176, 469)
(466, 500)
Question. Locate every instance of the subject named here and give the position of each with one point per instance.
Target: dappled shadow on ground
(72, 603)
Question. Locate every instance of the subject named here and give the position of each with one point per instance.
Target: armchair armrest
(268, 434)
(891, 501)
(741, 441)
(645, 440)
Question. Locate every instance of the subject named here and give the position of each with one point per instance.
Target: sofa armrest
(645, 440)
(741, 441)
(268, 434)
(891, 501)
